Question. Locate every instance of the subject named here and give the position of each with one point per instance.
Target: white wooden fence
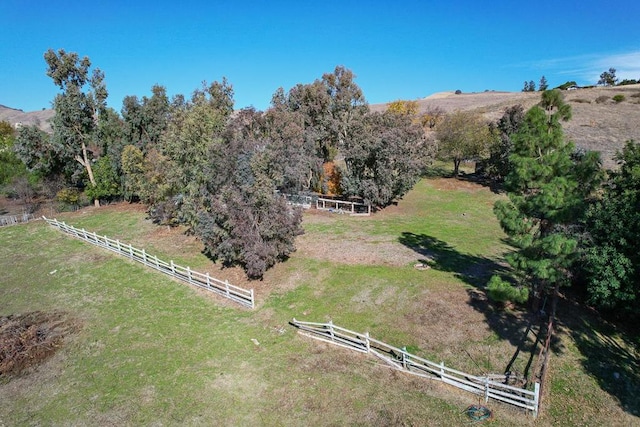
(204, 281)
(404, 361)
(15, 219)
(343, 206)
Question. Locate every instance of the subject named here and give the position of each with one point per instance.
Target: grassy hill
(599, 123)
(38, 118)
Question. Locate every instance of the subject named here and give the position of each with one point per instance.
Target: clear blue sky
(397, 49)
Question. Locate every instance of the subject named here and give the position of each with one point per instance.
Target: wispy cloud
(586, 69)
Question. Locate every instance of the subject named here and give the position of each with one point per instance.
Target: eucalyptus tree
(243, 221)
(382, 157)
(194, 127)
(146, 119)
(78, 106)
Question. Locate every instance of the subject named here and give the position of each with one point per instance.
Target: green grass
(150, 350)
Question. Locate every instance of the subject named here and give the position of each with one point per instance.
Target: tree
(497, 166)
(107, 182)
(547, 187)
(193, 129)
(10, 165)
(382, 158)
(243, 221)
(462, 136)
(146, 120)
(37, 150)
(409, 108)
(529, 86)
(612, 247)
(77, 108)
(543, 84)
(608, 78)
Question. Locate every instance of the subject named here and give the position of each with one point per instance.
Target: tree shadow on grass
(523, 330)
(610, 355)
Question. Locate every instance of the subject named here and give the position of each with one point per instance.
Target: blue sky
(397, 49)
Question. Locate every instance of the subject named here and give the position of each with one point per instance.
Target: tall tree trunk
(456, 167)
(84, 161)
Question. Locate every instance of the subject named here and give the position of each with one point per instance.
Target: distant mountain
(16, 117)
(598, 123)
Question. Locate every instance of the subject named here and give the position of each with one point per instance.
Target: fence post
(226, 285)
(441, 370)
(189, 274)
(404, 357)
(536, 398)
(331, 330)
(118, 245)
(84, 233)
(156, 260)
(208, 280)
(486, 390)
(173, 268)
(366, 337)
(252, 300)
(130, 251)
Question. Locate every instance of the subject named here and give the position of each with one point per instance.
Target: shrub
(602, 99)
(458, 92)
(618, 98)
(635, 95)
(580, 101)
(69, 196)
(68, 199)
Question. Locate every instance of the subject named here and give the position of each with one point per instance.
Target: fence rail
(239, 295)
(401, 359)
(343, 206)
(15, 219)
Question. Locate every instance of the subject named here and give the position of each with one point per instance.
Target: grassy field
(152, 351)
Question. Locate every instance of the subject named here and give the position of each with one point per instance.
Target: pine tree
(547, 187)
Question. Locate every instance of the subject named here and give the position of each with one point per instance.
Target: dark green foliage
(195, 128)
(41, 155)
(10, 164)
(77, 107)
(107, 183)
(502, 291)
(547, 186)
(543, 84)
(612, 250)
(618, 98)
(145, 120)
(382, 158)
(608, 78)
(628, 82)
(529, 86)
(566, 85)
(497, 166)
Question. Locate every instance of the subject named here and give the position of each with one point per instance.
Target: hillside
(39, 118)
(600, 126)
